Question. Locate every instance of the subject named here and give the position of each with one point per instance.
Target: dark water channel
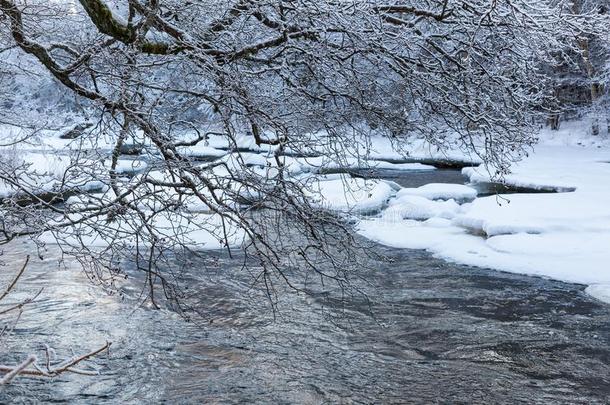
(415, 178)
(431, 332)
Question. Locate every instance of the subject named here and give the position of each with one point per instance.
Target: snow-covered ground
(563, 235)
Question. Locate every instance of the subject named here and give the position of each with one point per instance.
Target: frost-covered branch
(291, 79)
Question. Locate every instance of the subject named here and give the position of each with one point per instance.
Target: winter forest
(304, 201)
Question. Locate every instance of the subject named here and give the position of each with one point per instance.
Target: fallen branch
(20, 369)
(66, 366)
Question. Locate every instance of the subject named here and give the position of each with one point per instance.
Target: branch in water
(49, 371)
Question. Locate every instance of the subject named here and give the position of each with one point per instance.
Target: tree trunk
(583, 43)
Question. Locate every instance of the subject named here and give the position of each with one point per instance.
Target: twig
(20, 369)
(65, 367)
(17, 277)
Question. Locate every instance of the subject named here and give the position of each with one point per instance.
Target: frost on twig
(15, 371)
(30, 367)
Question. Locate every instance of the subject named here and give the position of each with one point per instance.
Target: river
(431, 331)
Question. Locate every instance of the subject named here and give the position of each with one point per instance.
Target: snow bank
(40, 173)
(579, 258)
(318, 163)
(419, 208)
(600, 291)
(350, 195)
(373, 146)
(538, 213)
(129, 167)
(201, 151)
(565, 236)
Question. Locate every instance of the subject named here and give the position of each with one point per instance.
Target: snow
(200, 151)
(600, 291)
(241, 142)
(382, 148)
(564, 236)
(46, 172)
(40, 173)
(420, 208)
(249, 159)
(350, 195)
(367, 144)
(315, 164)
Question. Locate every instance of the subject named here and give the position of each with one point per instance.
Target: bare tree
(592, 54)
(578, 71)
(298, 77)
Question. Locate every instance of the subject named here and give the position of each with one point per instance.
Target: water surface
(430, 331)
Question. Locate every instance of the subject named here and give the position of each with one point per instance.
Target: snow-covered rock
(201, 151)
(441, 191)
(350, 195)
(419, 208)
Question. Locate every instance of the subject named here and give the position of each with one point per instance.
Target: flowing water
(430, 332)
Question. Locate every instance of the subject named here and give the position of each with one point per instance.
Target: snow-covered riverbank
(565, 235)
